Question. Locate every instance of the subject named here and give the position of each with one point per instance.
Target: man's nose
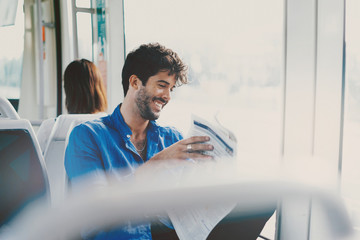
(167, 94)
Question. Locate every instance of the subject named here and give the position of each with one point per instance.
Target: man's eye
(162, 85)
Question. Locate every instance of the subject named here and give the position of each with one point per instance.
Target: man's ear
(134, 82)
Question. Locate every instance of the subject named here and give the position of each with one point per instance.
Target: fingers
(196, 144)
(198, 147)
(196, 155)
(195, 139)
(190, 148)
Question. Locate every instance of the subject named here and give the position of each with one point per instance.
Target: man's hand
(193, 147)
(190, 148)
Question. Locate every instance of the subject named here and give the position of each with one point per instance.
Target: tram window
(351, 151)
(11, 55)
(85, 37)
(234, 53)
(83, 3)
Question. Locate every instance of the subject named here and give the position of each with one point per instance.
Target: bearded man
(129, 138)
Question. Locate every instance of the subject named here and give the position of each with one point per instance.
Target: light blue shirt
(104, 145)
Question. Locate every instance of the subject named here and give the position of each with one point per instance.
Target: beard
(143, 101)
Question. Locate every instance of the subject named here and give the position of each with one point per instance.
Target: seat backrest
(23, 177)
(7, 110)
(55, 152)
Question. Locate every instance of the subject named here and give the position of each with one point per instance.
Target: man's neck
(135, 122)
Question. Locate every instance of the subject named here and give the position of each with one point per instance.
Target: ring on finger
(189, 147)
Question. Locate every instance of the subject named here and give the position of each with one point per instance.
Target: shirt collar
(117, 120)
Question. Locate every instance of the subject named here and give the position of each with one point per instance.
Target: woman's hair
(84, 89)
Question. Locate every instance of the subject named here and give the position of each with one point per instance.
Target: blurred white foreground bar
(170, 186)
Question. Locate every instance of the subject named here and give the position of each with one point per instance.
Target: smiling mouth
(159, 103)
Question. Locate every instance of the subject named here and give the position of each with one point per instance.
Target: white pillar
(313, 105)
(116, 42)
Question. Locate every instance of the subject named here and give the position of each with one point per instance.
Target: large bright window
(234, 50)
(234, 53)
(91, 32)
(351, 150)
(11, 55)
(85, 32)
(84, 26)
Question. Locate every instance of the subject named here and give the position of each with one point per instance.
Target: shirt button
(128, 136)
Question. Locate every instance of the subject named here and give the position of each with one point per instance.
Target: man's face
(151, 99)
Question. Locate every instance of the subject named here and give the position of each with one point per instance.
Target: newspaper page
(222, 139)
(197, 222)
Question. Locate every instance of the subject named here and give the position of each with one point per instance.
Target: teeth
(159, 105)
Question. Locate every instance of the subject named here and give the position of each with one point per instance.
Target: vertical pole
(75, 36)
(41, 59)
(58, 57)
(299, 99)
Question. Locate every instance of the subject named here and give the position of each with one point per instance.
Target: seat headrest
(7, 110)
(62, 124)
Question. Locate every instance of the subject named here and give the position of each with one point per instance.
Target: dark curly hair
(148, 60)
(84, 89)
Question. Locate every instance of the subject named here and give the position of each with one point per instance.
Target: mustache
(160, 99)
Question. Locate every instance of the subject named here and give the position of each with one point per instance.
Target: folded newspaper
(196, 223)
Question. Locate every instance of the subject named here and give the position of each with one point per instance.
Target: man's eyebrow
(165, 82)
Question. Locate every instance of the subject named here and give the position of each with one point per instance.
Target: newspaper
(223, 140)
(196, 223)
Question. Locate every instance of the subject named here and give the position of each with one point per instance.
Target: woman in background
(85, 94)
